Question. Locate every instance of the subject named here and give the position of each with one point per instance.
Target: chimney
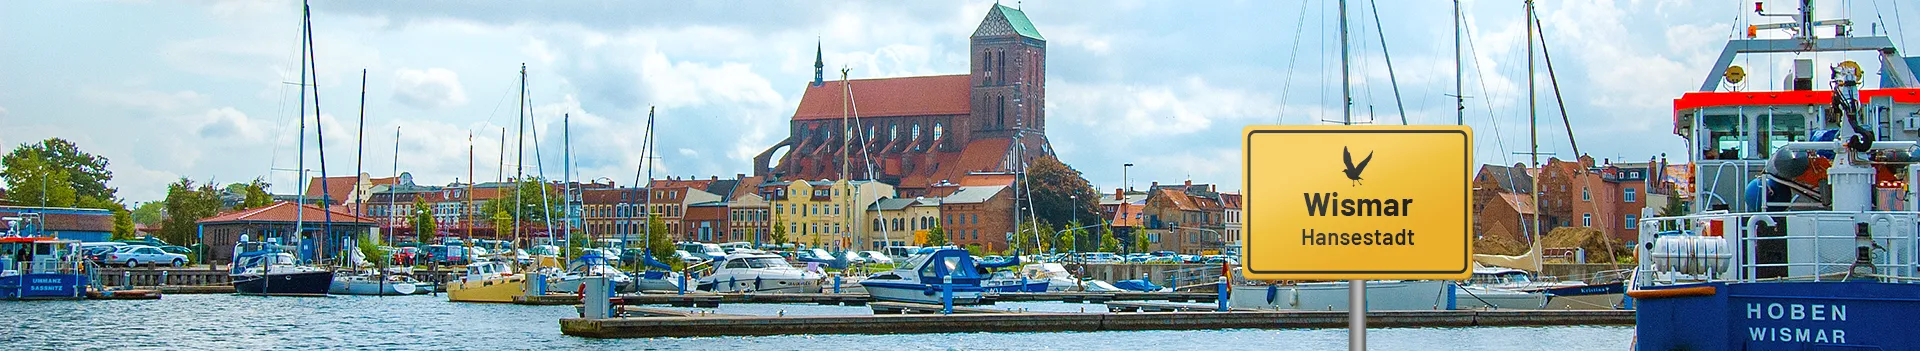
(739, 176)
(714, 178)
(1189, 183)
(1155, 185)
(1119, 194)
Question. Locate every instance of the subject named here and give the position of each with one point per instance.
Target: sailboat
(493, 280)
(264, 267)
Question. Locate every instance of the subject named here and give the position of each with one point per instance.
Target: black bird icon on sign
(1353, 171)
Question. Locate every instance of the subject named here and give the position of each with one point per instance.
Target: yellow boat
(491, 281)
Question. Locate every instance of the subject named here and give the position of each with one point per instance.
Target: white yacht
(590, 265)
(372, 283)
(759, 272)
(923, 279)
(1056, 275)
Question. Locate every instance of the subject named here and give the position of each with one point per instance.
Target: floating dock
(647, 327)
(705, 299)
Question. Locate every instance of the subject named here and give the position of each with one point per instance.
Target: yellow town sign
(1356, 202)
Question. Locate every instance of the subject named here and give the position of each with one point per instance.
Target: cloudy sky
(209, 89)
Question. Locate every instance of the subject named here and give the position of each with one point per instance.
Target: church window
(870, 130)
(893, 131)
(1000, 118)
(936, 130)
(1001, 76)
(916, 131)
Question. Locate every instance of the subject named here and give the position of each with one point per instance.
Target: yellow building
(898, 222)
(824, 210)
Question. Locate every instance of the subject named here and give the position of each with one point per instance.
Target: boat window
(1726, 137)
(1781, 128)
(737, 264)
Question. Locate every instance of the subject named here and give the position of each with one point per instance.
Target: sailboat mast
(360, 144)
(300, 167)
(1533, 130)
(391, 218)
(1346, 86)
(1459, 100)
(320, 145)
(646, 209)
(520, 154)
(846, 156)
(566, 183)
(470, 181)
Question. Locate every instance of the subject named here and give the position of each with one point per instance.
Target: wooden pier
(910, 308)
(704, 299)
(647, 327)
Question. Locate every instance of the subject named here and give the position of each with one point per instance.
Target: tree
(186, 204)
(1060, 194)
(935, 237)
(424, 228)
(1140, 244)
(1033, 237)
(256, 194)
(1107, 242)
(148, 213)
(55, 164)
(976, 250)
(122, 224)
(660, 242)
(1065, 240)
(779, 235)
(537, 204)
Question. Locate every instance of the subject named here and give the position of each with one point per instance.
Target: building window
(1584, 195)
(937, 129)
(1586, 220)
(1629, 194)
(1000, 118)
(1633, 222)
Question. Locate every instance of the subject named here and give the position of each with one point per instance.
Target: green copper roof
(1019, 21)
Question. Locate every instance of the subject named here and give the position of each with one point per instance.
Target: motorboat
(1499, 288)
(265, 268)
(926, 277)
(41, 268)
(759, 272)
(1382, 295)
(487, 281)
(373, 283)
(587, 266)
(1013, 281)
(1055, 274)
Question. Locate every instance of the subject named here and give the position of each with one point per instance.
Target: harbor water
(430, 323)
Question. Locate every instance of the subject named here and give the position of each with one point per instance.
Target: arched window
(1000, 118)
(916, 131)
(870, 130)
(937, 130)
(893, 131)
(1001, 75)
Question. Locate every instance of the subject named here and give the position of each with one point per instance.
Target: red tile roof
(1178, 198)
(283, 211)
(1230, 200)
(342, 186)
(987, 179)
(905, 96)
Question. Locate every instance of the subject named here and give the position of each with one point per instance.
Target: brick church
(919, 133)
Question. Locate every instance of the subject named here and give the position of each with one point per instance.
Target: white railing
(1827, 251)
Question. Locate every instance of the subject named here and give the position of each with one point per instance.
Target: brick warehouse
(920, 131)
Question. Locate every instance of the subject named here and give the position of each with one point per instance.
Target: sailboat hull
(1390, 295)
(286, 284)
(364, 287)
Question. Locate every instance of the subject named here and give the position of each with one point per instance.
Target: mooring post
(126, 279)
(163, 278)
(836, 283)
(683, 284)
(946, 294)
(1222, 290)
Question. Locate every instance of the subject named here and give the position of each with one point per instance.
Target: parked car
(1097, 257)
(406, 256)
(853, 257)
(875, 257)
(98, 254)
(134, 255)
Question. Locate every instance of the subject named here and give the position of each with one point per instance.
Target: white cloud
(432, 88)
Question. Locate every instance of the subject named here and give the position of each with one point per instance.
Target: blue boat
(266, 269)
(1810, 243)
(924, 279)
(41, 268)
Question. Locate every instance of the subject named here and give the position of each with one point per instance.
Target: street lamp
(1126, 183)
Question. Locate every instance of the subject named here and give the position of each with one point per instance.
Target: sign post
(1356, 203)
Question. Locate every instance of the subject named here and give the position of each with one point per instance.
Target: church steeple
(819, 66)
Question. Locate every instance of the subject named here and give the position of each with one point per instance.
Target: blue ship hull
(43, 286)
(1781, 316)
(1033, 286)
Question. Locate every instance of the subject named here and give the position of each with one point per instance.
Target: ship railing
(44, 267)
(1826, 252)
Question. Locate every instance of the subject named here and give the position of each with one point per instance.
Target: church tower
(819, 65)
(1008, 77)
